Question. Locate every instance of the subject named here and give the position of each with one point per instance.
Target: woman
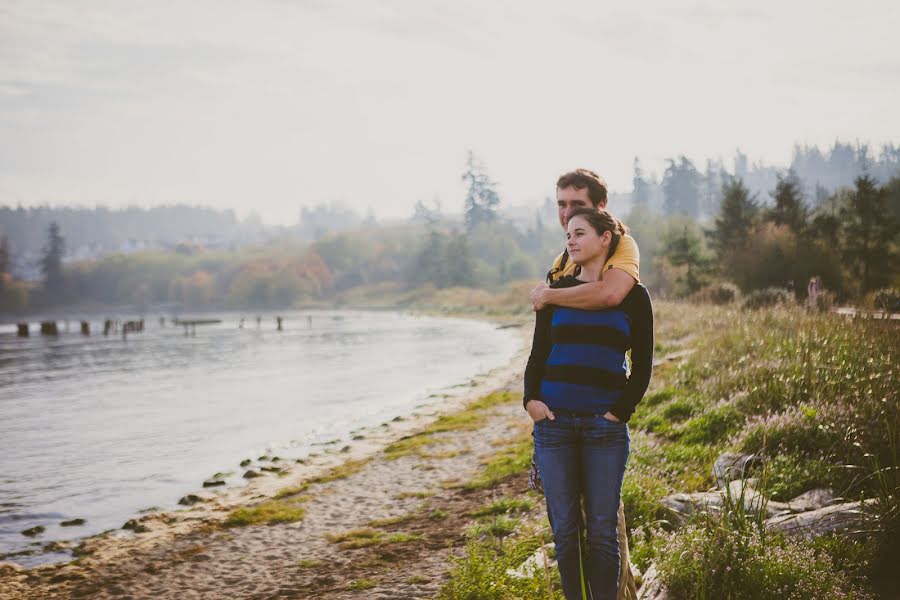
(580, 397)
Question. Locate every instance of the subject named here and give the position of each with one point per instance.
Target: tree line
(849, 238)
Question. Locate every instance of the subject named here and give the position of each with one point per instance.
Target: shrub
(482, 574)
(770, 296)
(719, 293)
(712, 426)
(887, 299)
(712, 559)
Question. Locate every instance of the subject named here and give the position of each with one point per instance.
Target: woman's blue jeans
(583, 456)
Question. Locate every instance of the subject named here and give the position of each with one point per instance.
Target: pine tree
(4, 257)
(51, 264)
(481, 196)
(736, 217)
(640, 195)
(789, 208)
(683, 247)
(681, 187)
(869, 232)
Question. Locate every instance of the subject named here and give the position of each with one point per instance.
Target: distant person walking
(812, 291)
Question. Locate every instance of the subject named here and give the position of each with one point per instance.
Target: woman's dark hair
(601, 221)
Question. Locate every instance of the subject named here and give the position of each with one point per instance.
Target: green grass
(503, 507)
(362, 584)
(470, 418)
(273, 511)
(365, 537)
(510, 460)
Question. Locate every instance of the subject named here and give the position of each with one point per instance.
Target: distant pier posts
(132, 327)
(107, 326)
(162, 321)
(241, 324)
(258, 321)
(49, 328)
(22, 329)
(309, 321)
(279, 323)
(85, 328)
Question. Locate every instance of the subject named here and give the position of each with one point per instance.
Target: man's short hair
(585, 178)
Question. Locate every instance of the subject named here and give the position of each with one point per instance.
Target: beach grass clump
(503, 507)
(411, 494)
(469, 418)
(367, 536)
(392, 520)
(487, 572)
(510, 460)
(342, 471)
(498, 526)
(310, 563)
(272, 511)
(362, 584)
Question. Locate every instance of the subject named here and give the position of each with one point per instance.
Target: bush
(718, 293)
(712, 559)
(482, 574)
(887, 299)
(770, 296)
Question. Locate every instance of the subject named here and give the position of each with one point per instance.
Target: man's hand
(538, 411)
(611, 417)
(537, 296)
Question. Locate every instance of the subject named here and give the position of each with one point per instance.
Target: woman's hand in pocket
(538, 411)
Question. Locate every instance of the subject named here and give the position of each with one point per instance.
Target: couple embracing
(579, 391)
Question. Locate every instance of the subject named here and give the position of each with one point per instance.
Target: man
(582, 188)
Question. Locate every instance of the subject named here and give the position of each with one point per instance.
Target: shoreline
(157, 529)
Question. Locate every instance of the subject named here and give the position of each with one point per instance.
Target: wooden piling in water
(49, 328)
(85, 328)
(22, 330)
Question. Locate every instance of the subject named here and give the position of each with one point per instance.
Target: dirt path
(410, 508)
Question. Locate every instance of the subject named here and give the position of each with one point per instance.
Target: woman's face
(584, 244)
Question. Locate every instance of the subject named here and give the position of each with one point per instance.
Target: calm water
(99, 428)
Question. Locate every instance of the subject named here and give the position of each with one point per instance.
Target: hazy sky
(270, 105)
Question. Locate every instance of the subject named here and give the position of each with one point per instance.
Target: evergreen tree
(870, 232)
(712, 188)
(681, 188)
(481, 196)
(789, 208)
(4, 257)
(736, 217)
(51, 264)
(640, 195)
(460, 265)
(683, 247)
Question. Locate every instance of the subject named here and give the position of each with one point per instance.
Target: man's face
(568, 199)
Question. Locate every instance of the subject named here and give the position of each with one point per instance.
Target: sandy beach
(378, 518)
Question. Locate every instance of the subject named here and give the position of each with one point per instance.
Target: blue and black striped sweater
(577, 360)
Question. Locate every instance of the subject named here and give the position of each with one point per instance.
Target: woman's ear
(607, 238)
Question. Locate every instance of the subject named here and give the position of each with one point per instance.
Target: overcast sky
(266, 106)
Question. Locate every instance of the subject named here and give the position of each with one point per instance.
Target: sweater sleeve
(540, 351)
(641, 312)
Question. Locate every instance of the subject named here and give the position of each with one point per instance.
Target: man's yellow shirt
(627, 257)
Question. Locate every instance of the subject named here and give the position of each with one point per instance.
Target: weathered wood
(49, 328)
(22, 330)
(85, 328)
